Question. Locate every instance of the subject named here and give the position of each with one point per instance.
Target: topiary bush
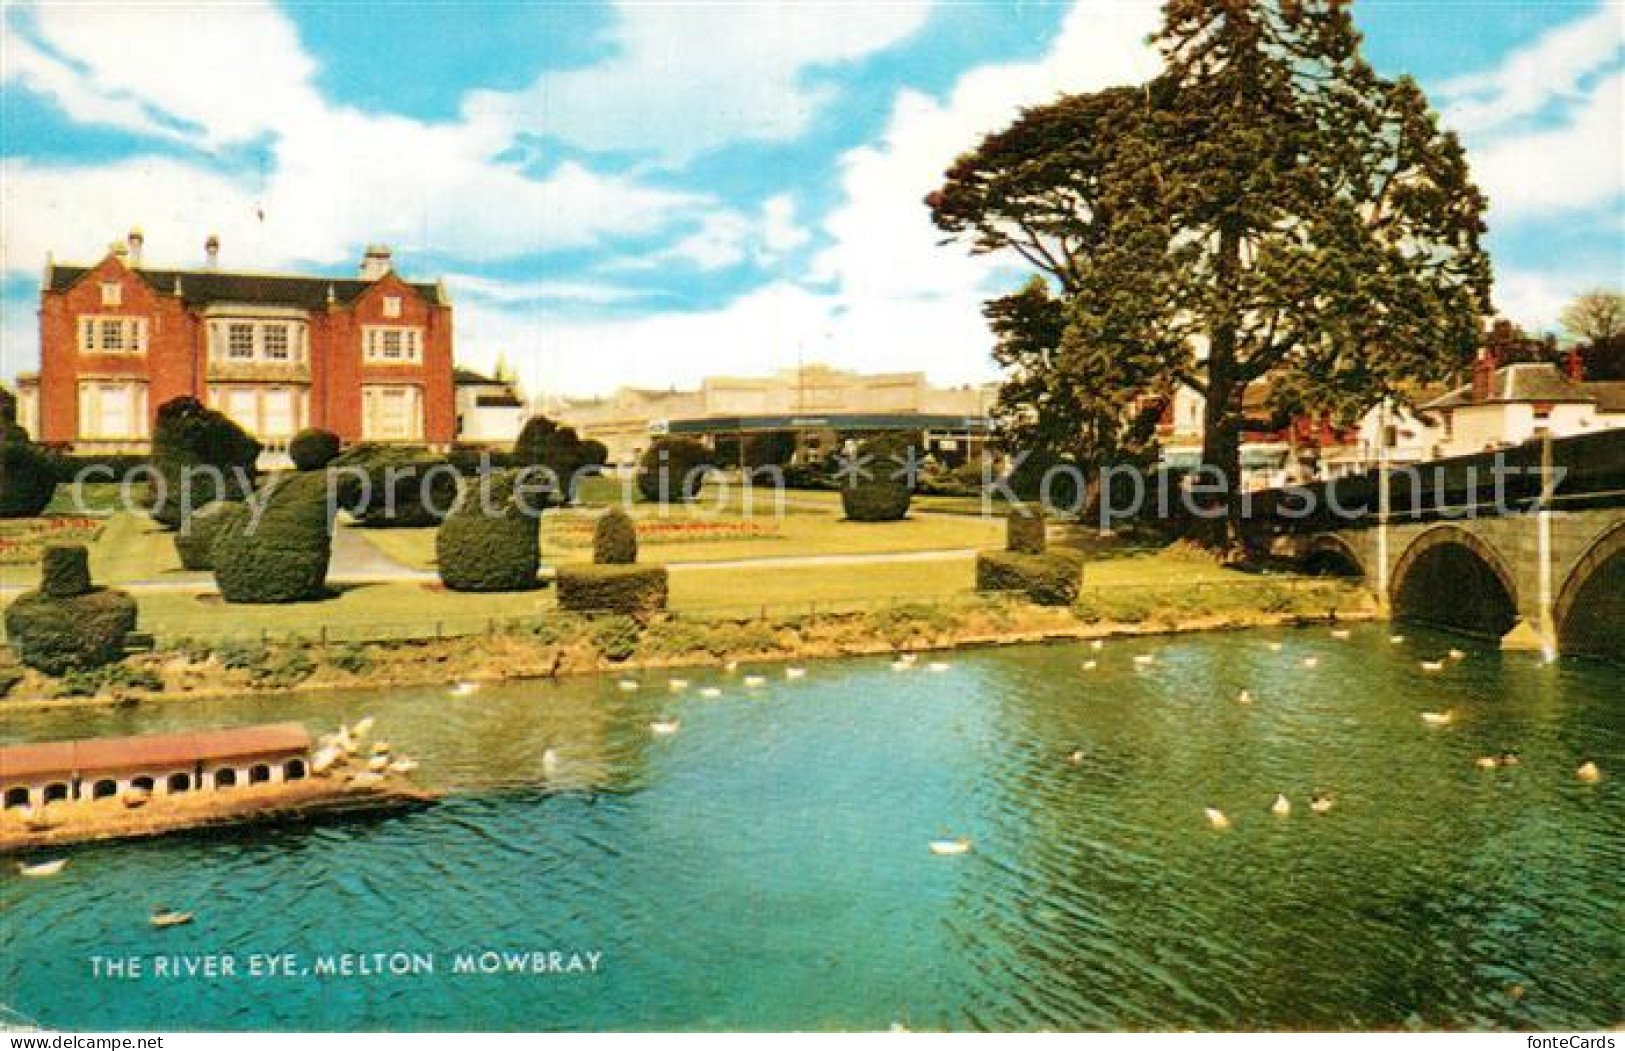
(27, 476)
(491, 541)
(615, 539)
(880, 490)
(313, 448)
(194, 541)
(1050, 579)
(673, 469)
(68, 625)
(395, 486)
(1026, 531)
(545, 443)
(187, 440)
(65, 570)
(632, 590)
(282, 557)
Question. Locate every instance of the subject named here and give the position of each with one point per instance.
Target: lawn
(128, 547)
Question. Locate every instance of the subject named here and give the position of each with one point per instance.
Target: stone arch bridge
(1533, 556)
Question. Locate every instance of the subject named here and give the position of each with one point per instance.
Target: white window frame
(257, 349)
(372, 395)
(95, 329)
(91, 394)
(285, 352)
(408, 340)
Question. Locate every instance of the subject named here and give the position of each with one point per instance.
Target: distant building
(1521, 402)
(821, 406)
(368, 358)
(490, 411)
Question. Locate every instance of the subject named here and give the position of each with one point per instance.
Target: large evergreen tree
(1268, 207)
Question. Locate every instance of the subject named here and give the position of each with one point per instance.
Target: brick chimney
(376, 262)
(1574, 365)
(1483, 375)
(211, 253)
(136, 239)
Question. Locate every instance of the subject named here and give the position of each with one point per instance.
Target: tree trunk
(1222, 412)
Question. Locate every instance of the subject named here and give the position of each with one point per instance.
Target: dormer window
(112, 294)
(392, 306)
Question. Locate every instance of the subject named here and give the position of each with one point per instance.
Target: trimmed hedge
(1025, 531)
(27, 477)
(188, 434)
(65, 570)
(491, 541)
(1049, 579)
(194, 541)
(405, 487)
(879, 491)
(615, 539)
(612, 588)
(284, 556)
(673, 469)
(67, 625)
(313, 448)
(545, 443)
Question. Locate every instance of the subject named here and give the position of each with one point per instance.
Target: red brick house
(369, 358)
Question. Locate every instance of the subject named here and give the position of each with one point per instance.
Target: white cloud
(1535, 299)
(1579, 164)
(686, 78)
(1552, 68)
(498, 291)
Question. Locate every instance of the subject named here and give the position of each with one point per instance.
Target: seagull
(1433, 665)
(1216, 818)
(1589, 772)
(795, 673)
(678, 684)
(362, 728)
(1090, 665)
(1097, 644)
(1457, 655)
(909, 658)
(1244, 696)
(323, 760)
(1396, 639)
(710, 691)
(731, 667)
(627, 685)
(1322, 801)
(43, 868)
(665, 726)
(403, 765)
(165, 917)
(1444, 718)
(464, 689)
(950, 846)
(1282, 805)
(1076, 758)
(380, 747)
(1340, 633)
(378, 763)
(1144, 659)
(550, 760)
(1486, 762)
(1311, 662)
(754, 681)
(1275, 647)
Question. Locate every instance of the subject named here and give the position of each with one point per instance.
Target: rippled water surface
(768, 866)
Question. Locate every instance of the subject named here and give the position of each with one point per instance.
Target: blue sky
(648, 194)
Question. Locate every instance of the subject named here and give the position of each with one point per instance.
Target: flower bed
(578, 532)
(21, 540)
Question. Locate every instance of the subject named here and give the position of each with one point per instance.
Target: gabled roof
(469, 378)
(308, 291)
(1521, 382)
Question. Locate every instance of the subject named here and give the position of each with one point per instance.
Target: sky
(642, 194)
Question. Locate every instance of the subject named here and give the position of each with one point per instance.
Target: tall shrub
(614, 539)
(673, 469)
(313, 448)
(68, 624)
(491, 539)
(394, 486)
(547, 444)
(879, 486)
(188, 440)
(283, 555)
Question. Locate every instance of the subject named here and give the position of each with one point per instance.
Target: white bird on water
(1340, 633)
(362, 728)
(753, 681)
(550, 760)
(1097, 644)
(1282, 806)
(710, 691)
(1090, 665)
(1396, 639)
(43, 868)
(162, 917)
(465, 689)
(1444, 718)
(900, 665)
(678, 684)
(1457, 655)
(949, 847)
(665, 726)
(1310, 662)
(937, 666)
(627, 685)
(795, 673)
(1589, 772)
(1244, 696)
(1216, 818)
(1433, 665)
(1275, 647)
(1322, 801)
(403, 765)
(1144, 659)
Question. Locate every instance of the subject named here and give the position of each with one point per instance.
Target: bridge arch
(1451, 578)
(1590, 609)
(1329, 555)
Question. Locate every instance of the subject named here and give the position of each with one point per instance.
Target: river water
(767, 866)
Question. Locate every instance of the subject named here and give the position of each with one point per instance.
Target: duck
(1282, 805)
(1144, 659)
(909, 658)
(731, 667)
(627, 685)
(378, 763)
(677, 685)
(1076, 757)
(1396, 639)
(363, 727)
(366, 778)
(1486, 762)
(550, 760)
(948, 847)
(42, 868)
(710, 691)
(665, 726)
(900, 665)
(464, 689)
(1276, 647)
(1097, 644)
(323, 760)
(1310, 662)
(1090, 665)
(1341, 633)
(1322, 801)
(937, 666)
(1444, 718)
(795, 673)
(1244, 696)
(380, 747)
(403, 765)
(1457, 655)
(165, 917)
(1216, 817)
(753, 681)
(1433, 665)
(1589, 772)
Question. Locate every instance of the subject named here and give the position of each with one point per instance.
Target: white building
(489, 411)
(1519, 403)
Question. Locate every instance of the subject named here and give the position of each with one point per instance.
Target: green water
(767, 867)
